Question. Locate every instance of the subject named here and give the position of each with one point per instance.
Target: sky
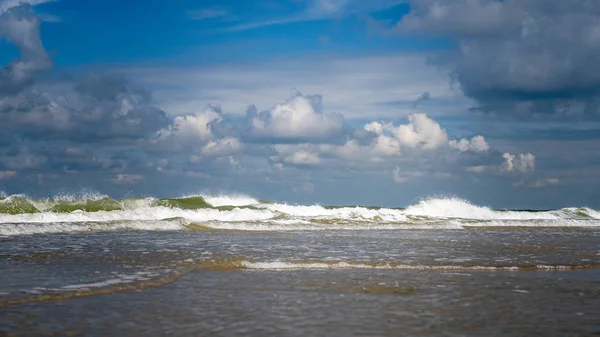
(381, 102)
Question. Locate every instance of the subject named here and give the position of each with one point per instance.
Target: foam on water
(92, 212)
(283, 265)
(74, 227)
(229, 200)
(458, 208)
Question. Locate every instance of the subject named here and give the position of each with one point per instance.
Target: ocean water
(235, 265)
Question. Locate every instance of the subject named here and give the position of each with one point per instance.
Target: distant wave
(20, 214)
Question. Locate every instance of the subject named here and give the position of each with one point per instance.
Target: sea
(233, 265)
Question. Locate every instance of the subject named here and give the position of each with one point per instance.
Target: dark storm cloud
(520, 57)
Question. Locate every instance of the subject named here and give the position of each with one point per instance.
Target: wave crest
(247, 213)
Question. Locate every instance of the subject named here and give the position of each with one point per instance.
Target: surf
(21, 215)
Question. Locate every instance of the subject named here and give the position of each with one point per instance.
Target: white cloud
(525, 162)
(192, 126)
(298, 118)
(476, 144)
(383, 145)
(387, 146)
(303, 158)
(420, 131)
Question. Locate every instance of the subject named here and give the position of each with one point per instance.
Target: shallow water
(479, 281)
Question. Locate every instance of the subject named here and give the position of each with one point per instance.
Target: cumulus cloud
(193, 126)
(476, 144)
(421, 132)
(198, 133)
(421, 144)
(524, 163)
(299, 118)
(519, 56)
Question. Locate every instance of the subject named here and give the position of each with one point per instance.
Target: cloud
(303, 158)
(104, 131)
(95, 107)
(222, 147)
(476, 144)
(524, 163)
(519, 57)
(363, 88)
(299, 118)
(193, 126)
(198, 133)
(421, 145)
(421, 132)
(87, 108)
(18, 25)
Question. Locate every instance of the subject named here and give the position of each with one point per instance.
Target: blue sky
(330, 101)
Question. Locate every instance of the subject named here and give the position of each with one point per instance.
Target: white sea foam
(283, 265)
(145, 214)
(141, 214)
(74, 227)
(302, 225)
(458, 208)
(316, 211)
(229, 200)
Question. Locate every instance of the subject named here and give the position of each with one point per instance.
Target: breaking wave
(318, 265)
(20, 215)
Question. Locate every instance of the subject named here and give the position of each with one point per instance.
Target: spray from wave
(20, 214)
